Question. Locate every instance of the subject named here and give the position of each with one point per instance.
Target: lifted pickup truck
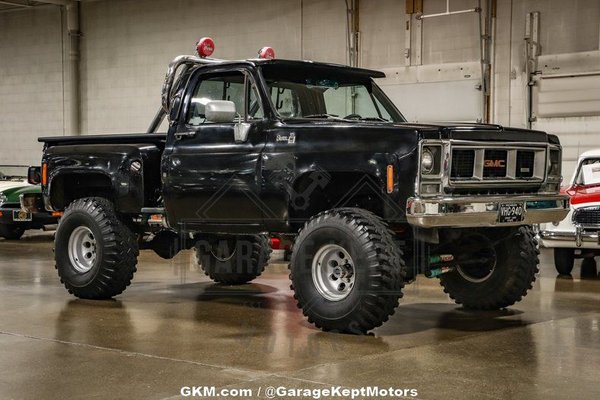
(310, 152)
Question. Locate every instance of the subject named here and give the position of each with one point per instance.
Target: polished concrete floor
(174, 328)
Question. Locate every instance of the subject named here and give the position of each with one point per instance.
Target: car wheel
(11, 231)
(503, 279)
(564, 260)
(347, 271)
(95, 252)
(233, 260)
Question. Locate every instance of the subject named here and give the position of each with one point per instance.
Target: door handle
(181, 135)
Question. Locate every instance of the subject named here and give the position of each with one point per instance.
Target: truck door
(210, 179)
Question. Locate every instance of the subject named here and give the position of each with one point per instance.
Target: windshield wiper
(331, 116)
(375, 119)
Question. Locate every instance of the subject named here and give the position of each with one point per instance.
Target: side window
(223, 87)
(286, 102)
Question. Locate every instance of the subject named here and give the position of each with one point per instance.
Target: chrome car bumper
(572, 239)
(483, 211)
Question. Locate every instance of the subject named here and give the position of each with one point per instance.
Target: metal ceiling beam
(58, 2)
(14, 3)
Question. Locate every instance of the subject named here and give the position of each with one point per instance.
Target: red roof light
(205, 47)
(267, 53)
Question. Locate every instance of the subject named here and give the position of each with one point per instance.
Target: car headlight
(2, 199)
(431, 159)
(427, 161)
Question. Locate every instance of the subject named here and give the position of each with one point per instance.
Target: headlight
(431, 159)
(2, 199)
(427, 161)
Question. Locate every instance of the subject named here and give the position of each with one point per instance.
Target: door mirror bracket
(240, 131)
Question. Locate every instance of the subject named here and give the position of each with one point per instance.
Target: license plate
(21, 216)
(511, 212)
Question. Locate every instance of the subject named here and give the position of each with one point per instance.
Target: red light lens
(275, 243)
(205, 47)
(267, 53)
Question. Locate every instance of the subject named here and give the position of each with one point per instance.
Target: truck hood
(441, 130)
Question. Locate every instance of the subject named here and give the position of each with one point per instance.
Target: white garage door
(569, 106)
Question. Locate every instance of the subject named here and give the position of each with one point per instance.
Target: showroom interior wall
(127, 44)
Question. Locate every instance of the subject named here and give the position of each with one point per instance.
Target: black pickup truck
(317, 154)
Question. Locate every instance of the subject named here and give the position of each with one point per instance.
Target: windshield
(589, 173)
(314, 94)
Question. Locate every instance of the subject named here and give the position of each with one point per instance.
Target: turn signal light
(390, 178)
(44, 174)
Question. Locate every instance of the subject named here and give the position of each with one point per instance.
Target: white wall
(31, 83)
(569, 40)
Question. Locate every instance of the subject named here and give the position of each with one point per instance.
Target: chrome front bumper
(482, 211)
(571, 239)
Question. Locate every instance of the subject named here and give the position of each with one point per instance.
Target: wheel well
(66, 188)
(315, 192)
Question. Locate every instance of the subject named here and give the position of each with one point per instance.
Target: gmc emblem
(495, 163)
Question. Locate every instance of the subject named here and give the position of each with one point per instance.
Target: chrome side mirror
(219, 111)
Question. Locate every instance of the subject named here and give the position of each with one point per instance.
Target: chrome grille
(480, 165)
(463, 162)
(587, 216)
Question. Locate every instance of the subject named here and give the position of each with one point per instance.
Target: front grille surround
(521, 169)
(587, 216)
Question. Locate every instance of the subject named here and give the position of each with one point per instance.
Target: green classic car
(13, 220)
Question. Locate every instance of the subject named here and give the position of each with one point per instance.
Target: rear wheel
(564, 259)
(506, 272)
(233, 260)
(11, 231)
(95, 252)
(346, 270)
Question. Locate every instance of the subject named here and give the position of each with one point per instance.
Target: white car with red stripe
(577, 236)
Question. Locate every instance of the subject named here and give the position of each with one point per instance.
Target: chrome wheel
(82, 249)
(333, 272)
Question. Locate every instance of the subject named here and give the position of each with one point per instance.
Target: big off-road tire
(347, 271)
(95, 253)
(233, 260)
(11, 231)
(503, 281)
(564, 259)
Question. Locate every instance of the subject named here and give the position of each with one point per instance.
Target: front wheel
(564, 259)
(11, 231)
(95, 252)
(508, 272)
(347, 271)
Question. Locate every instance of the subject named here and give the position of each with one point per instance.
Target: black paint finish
(284, 173)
